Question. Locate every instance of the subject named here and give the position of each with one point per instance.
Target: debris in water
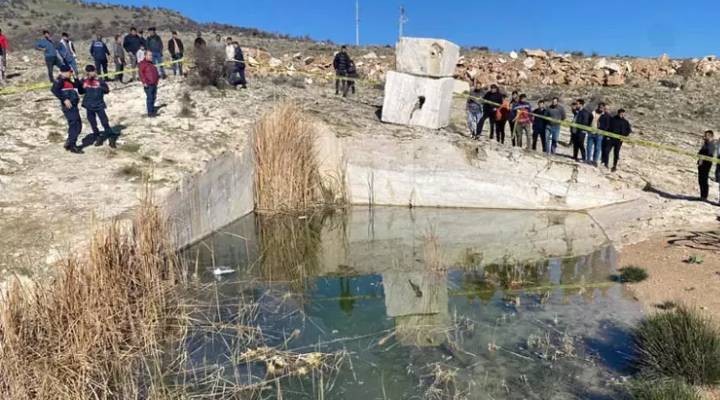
(219, 271)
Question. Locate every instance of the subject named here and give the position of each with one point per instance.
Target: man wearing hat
(66, 90)
(94, 90)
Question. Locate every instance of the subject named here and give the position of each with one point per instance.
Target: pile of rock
(536, 66)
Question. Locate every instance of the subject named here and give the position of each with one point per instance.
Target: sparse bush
(679, 344)
(664, 389)
(209, 68)
(631, 274)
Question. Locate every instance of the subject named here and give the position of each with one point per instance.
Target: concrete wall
(212, 199)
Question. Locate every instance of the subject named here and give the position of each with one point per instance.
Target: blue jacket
(47, 46)
(98, 50)
(65, 52)
(94, 91)
(65, 89)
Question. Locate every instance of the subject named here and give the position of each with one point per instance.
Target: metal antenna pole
(403, 20)
(357, 22)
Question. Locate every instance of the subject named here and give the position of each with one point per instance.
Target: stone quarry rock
(529, 63)
(370, 56)
(460, 87)
(436, 173)
(309, 60)
(427, 57)
(417, 101)
(513, 55)
(275, 62)
(614, 80)
(535, 53)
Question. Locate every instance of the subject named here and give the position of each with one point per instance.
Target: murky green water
(428, 303)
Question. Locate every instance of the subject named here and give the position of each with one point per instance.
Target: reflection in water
(347, 301)
(524, 310)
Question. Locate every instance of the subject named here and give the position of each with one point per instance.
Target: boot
(112, 143)
(98, 141)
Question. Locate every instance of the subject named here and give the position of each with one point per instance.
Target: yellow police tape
(48, 85)
(569, 124)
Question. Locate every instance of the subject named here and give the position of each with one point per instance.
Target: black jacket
(154, 44)
(604, 122)
(539, 124)
(239, 57)
(341, 63)
(132, 43)
(180, 47)
(94, 91)
(495, 98)
(65, 89)
(620, 126)
(708, 149)
(585, 118)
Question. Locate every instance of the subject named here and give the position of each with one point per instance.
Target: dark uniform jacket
(94, 91)
(65, 89)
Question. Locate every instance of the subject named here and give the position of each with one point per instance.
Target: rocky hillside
(24, 20)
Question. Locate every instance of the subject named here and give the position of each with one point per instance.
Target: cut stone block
(435, 58)
(417, 101)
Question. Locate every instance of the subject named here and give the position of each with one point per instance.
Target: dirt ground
(672, 276)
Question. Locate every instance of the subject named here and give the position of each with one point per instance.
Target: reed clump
(287, 175)
(96, 330)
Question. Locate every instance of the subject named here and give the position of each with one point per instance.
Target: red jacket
(4, 43)
(149, 75)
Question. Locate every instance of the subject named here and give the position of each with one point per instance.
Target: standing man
(66, 49)
(118, 58)
(341, 63)
(131, 44)
(218, 43)
(474, 111)
(240, 66)
(522, 121)
(582, 117)
(539, 126)
(155, 45)
(47, 46)
(601, 121)
(177, 50)
(704, 166)
(4, 50)
(493, 99)
(94, 91)
(619, 126)
(149, 77)
(230, 65)
(100, 53)
(513, 101)
(199, 42)
(557, 112)
(66, 90)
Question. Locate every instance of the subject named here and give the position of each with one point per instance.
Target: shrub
(209, 68)
(679, 344)
(631, 274)
(664, 389)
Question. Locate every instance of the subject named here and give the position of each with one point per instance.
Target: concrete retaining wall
(214, 198)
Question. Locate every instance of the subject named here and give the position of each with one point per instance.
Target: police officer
(94, 90)
(66, 90)
(100, 53)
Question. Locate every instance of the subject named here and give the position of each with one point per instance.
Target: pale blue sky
(632, 27)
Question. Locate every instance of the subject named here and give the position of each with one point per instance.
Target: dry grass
(97, 330)
(287, 178)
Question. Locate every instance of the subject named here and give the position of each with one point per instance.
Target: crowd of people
(542, 123)
(144, 55)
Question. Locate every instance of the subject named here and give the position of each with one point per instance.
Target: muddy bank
(682, 267)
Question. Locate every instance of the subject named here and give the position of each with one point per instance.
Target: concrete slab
(417, 101)
(435, 58)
